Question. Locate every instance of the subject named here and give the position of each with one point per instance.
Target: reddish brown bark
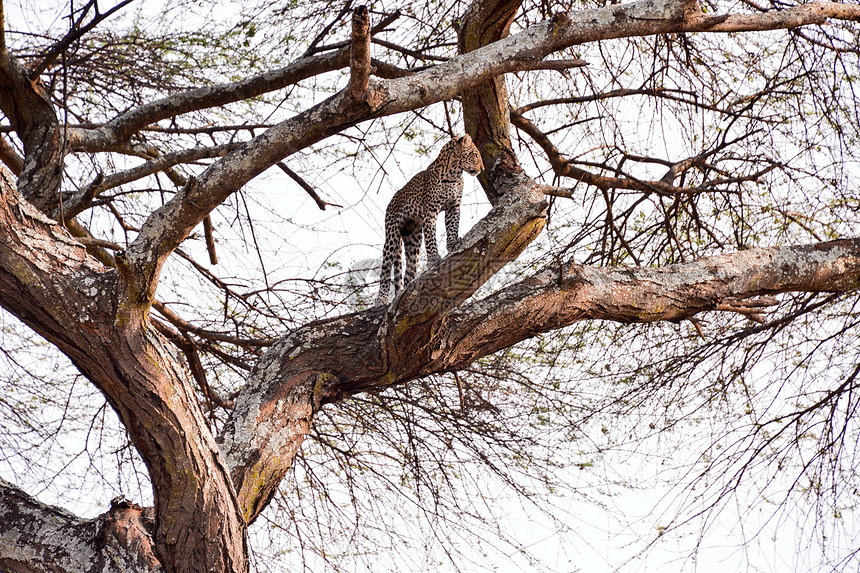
(134, 367)
(485, 106)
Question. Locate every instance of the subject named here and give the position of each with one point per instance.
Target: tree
(767, 122)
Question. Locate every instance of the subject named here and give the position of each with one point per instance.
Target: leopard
(411, 214)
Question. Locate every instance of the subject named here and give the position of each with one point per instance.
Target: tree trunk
(111, 342)
(485, 105)
(206, 491)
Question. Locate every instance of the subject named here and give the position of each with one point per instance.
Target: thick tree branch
(548, 301)
(359, 55)
(111, 135)
(39, 537)
(41, 264)
(26, 105)
(485, 105)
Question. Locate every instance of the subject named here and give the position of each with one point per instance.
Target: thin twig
(306, 186)
(61, 46)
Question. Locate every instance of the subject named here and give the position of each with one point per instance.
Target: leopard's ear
(466, 139)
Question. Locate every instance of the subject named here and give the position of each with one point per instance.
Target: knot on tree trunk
(126, 536)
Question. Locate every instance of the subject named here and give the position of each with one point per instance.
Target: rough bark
(557, 297)
(485, 105)
(37, 537)
(25, 103)
(206, 492)
(105, 334)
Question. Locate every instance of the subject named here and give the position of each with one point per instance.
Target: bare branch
(375, 30)
(312, 47)
(594, 97)
(793, 17)
(359, 56)
(207, 129)
(83, 199)
(306, 186)
(564, 168)
(94, 242)
(414, 53)
(76, 32)
(559, 65)
(10, 157)
(186, 326)
(751, 308)
(209, 234)
(385, 70)
(112, 134)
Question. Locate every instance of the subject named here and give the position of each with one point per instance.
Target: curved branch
(330, 360)
(549, 300)
(424, 332)
(26, 104)
(112, 134)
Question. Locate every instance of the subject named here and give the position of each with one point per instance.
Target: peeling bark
(35, 537)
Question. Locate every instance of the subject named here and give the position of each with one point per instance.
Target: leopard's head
(470, 157)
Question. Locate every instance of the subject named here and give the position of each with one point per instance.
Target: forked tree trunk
(206, 489)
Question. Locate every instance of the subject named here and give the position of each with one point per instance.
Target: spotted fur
(412, 212)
